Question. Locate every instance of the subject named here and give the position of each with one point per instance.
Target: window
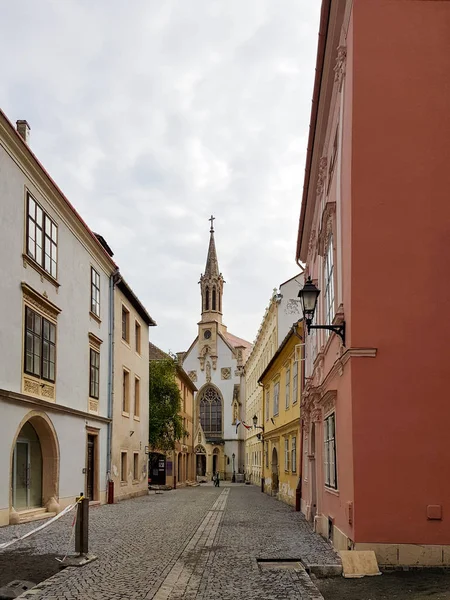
(95, 292)
(207, 299)
(267, 392)
(288, 386)
(286, 454)
(211, 411)
(294, 454)
(136, 466)
(41, 237)
(125, 324)
(276, 396)
(295, 382)
(40, 346)
(137, 397)
(305, 457)
(126, 392)
(94, 377)
(330, 451)
(214, 299)
(266, 451)
(329, 284)
(137, 337)
(123, 467)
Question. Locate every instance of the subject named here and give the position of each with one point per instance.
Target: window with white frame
(288, 387)
(329, 284)
(276, 398)
(42, 237)
(95, 292)
(294, 454)
(295, 382)
(40, 346)
(286, 454)
(267, 393)
(330, 451)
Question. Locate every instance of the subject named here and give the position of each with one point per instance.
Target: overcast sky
(151, 115)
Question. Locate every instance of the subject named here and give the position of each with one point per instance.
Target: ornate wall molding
(225, 372)
(38, 301)
(192, 375)
(339, 68)
(326, 228)
(322, 175)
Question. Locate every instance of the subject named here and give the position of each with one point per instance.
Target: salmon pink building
(374, 233)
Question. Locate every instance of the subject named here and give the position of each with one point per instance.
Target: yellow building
(184, 457)
(280, 430)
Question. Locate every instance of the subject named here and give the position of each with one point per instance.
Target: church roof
(238, 342)
(212, 264)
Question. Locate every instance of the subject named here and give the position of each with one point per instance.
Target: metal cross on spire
(212, 219)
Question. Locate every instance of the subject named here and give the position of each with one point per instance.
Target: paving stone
(195, 543)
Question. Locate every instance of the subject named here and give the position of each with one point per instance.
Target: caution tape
(41, 527)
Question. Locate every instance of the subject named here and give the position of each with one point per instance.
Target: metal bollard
(82, 526)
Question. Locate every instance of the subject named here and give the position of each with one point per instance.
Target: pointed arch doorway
(34, 464)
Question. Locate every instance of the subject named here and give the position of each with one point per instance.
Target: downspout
(112, 281)
(298, 491)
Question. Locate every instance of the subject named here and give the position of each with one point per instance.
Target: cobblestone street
(189, 543)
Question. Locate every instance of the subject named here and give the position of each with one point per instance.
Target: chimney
(23, 130)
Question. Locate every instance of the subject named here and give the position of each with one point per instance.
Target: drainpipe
(298, 491)
(114, 278)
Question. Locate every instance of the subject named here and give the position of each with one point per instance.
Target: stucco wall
(129, 432)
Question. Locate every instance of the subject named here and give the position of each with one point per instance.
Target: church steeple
(212, 283)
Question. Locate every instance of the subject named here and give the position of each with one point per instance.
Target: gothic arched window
(214, 299)
(207, 298)
(211, 411)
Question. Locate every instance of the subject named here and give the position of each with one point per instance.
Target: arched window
(211, 411)
(214, 299)
(207, 298)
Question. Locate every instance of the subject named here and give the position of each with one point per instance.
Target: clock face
(207, 334)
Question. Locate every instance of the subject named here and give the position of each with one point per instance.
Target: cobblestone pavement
(201, 543)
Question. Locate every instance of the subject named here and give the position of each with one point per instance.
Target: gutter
(323, 30)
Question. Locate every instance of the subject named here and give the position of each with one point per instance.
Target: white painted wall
(75, 257)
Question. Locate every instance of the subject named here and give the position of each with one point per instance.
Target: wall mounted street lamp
(233, 480)
(308, 297)
(256, 426)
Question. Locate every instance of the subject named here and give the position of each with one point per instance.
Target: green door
(21, 476)
(27, 470)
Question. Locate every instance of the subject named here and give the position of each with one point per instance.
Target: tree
(166, 424)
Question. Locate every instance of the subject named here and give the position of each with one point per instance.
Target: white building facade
(55, 397)
(214, 363)
(283, 311)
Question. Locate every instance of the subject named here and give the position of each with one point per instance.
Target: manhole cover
(280, 564)
(15, 588)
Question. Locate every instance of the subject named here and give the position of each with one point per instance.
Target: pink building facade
(374, 233)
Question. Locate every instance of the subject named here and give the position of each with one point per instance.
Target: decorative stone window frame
(94, 344)
(128, 372)
(31, 384)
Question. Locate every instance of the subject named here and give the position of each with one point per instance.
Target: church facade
(214, 362)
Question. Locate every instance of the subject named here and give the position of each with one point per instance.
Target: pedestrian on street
(216, 480)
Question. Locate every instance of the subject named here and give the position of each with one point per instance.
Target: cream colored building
(283, 311)
(130, 397)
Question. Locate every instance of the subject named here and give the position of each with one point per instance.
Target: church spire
(212, 264)
(212, 283)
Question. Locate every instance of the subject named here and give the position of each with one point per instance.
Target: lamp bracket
(338, 329)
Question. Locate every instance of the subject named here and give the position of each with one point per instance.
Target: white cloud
(152, 115)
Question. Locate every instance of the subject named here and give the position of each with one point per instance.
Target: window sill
(37, 267)
(37, 387)
(95, 317)
(122, 483)
(135, 481)
(125, 414)
(125, 343)
(135, 418)
(332, 491)
(138, 354)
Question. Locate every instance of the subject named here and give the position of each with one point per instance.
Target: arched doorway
(34, 464)
(274, 471)
(200, 467)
